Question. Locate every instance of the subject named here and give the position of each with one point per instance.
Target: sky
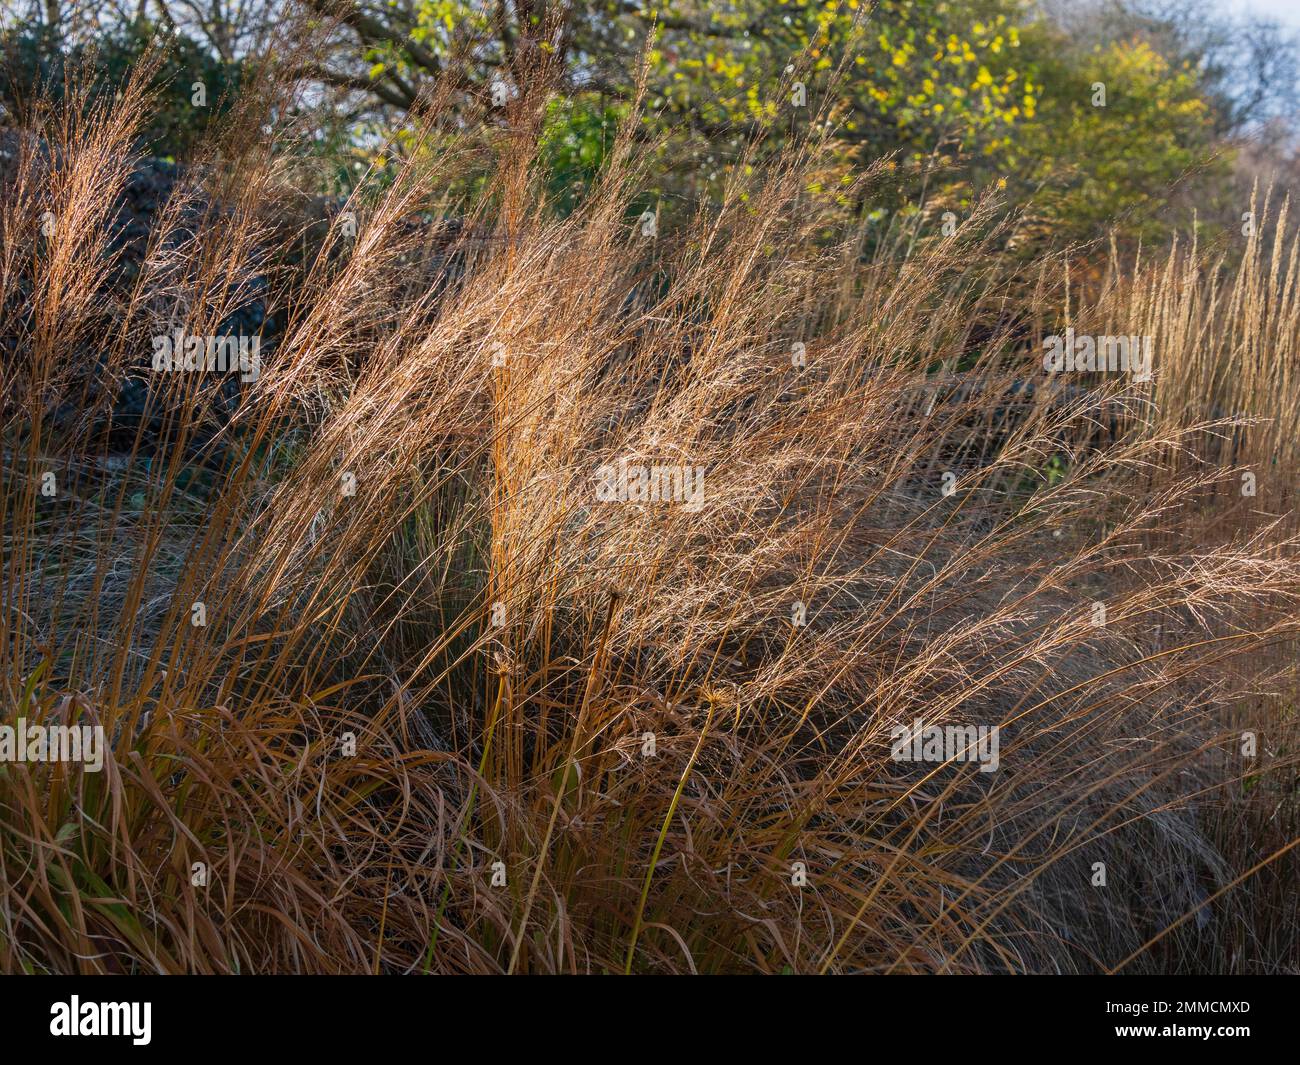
(1285, 11)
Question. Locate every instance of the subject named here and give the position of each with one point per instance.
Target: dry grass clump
(451, 710)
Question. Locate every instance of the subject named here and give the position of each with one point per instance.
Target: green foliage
(577, 135)
(919, 77)
(965, 95)
(36, 63)
(1095, 166)
(962, 96)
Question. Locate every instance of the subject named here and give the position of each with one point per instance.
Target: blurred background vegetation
(963, 97)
